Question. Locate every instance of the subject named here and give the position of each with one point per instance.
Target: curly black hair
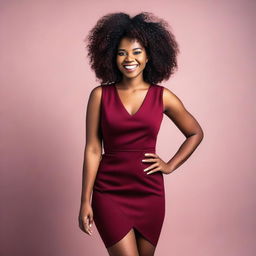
(153, 33)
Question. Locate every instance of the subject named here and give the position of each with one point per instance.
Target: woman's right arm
(92, 155)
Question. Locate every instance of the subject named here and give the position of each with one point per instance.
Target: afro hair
(153, 33)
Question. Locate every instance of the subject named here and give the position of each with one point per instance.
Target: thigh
(125, 247)
(145, 248)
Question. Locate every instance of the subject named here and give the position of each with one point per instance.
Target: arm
(93, 147)
(92, 157)
(186, 123)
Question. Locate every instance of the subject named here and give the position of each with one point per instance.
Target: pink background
(45, 84)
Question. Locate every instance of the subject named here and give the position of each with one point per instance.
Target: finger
(81, 225)
(89, 224)
(90, 220)
(87, 229)
(85, 224)
(151, 154)
(153, 171)
(150, 167)
(149, 160)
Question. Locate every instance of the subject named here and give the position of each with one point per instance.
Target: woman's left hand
(159, 164)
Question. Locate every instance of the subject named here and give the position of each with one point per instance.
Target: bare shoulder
(176, 111)
(95, 93)
(172, 103)
(94, 100)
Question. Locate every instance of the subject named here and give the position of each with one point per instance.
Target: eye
(121, 53)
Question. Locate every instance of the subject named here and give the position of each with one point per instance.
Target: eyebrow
(133, 49)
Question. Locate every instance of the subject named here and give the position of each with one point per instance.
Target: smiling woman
(154, 39)
(130, 56)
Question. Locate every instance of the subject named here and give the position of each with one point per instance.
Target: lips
(130, 67)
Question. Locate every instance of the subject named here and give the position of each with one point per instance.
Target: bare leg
(125, 247)
(144, 246)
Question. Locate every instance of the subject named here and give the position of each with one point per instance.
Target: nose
(128, 58)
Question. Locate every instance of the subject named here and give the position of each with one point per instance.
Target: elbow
(200, 135)
(95, 150)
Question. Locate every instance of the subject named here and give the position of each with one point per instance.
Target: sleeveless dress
(124, 196)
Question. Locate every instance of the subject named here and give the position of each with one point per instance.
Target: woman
(130, 56)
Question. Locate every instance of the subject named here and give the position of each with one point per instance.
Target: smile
(130, 68)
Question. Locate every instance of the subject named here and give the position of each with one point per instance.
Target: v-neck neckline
(141, 106)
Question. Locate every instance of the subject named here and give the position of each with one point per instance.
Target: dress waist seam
(130, 149)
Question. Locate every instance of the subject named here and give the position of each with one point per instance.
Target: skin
(132, 90)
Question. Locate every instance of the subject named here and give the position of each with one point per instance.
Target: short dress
(124, 196)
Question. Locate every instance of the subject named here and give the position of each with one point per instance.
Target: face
(131, 57)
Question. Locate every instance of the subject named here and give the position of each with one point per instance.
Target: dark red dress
(124, 196)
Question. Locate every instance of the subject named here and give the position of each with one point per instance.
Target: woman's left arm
(186, 123)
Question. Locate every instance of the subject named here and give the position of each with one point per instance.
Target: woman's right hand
(85, 218)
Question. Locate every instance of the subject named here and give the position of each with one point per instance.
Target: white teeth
(130, 67)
